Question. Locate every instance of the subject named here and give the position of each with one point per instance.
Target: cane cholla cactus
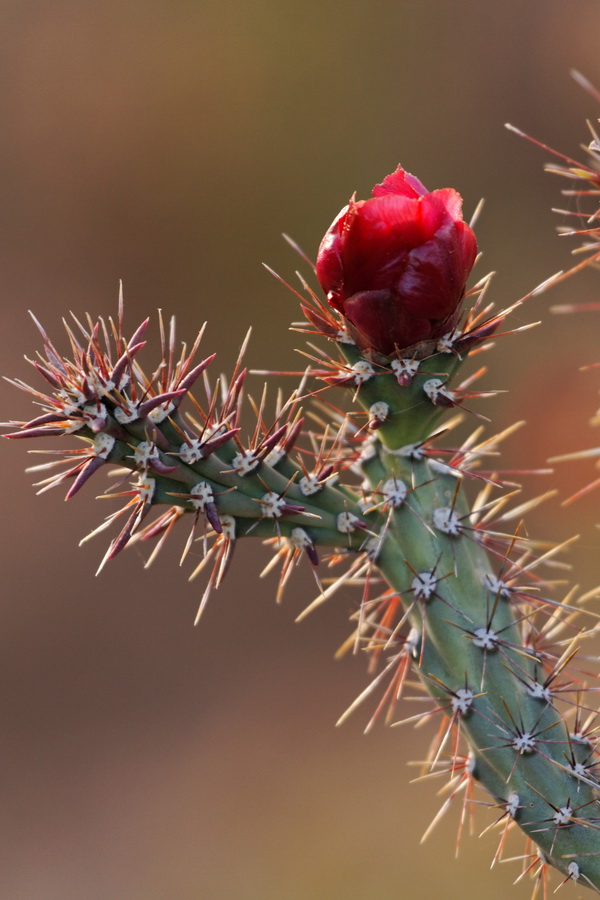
(452, 589)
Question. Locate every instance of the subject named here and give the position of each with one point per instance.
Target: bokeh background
(169, 144)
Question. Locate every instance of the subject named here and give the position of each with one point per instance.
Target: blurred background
(169, 144)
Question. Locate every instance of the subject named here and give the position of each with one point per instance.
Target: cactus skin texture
(447, 590)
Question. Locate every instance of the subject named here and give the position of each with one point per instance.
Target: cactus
(452, 588)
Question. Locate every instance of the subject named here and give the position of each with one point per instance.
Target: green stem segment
(472, 653)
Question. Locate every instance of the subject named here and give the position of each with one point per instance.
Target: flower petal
(400, 182)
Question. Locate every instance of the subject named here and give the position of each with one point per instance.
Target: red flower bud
(395, 266)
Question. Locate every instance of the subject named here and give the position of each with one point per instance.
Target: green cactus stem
(478, 646)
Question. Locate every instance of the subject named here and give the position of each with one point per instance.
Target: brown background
(169, 144)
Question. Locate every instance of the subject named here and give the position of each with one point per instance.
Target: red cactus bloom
(395, 266)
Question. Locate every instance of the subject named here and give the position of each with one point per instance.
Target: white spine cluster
(437, 391)
(346, 522)
(407, 368)
(495, 585)
(162, 412)
(300, 539)
(446, 520)
(146, 488)
(462, 700)
(126, 412)
(309, 484)
(394, 492)
(379, 411)
(144, 453)
(424, 585)
(245, 462)
(201, 494)
(103, 445)
(228, 526)
(191, 452)
(362, 372)
(485, 638)
(272, 505)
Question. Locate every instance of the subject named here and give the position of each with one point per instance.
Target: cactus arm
(472, 649)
